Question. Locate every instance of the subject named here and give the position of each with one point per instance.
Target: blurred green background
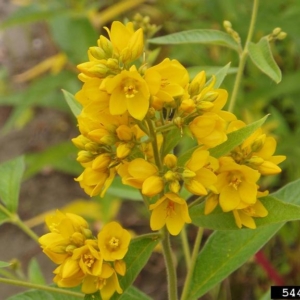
(41, 42)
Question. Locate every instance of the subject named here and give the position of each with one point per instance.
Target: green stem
(154, 144)
(17, 221)
(243, 57)
(186, 248)
(14, 218)
(171, 272)
(193, 263)
(41, 287)
(165, 127)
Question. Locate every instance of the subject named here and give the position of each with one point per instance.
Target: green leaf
(44, 91)
(3, 218)
(262, 57)
(74, 105)
(35, 274)
(198, 36)
(220, 76)
(236, 138)
(171, 139)
(95, 296)
(132, 293)
(279, 212)
(139, 251)
(10, 182)
(32, 13)
(43, 295)
(68, 30)
(59, 157)
(225, 251)
(209, 70)
(4, 264)
(118, 189)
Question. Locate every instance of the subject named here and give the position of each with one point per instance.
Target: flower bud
(101, 162)
(170, 176)
(84, 156)
(124, 133)
(188, 174)
(258, 143)
(170, 160)
(255, 161)
(77, 238)
(106, 45)
(282, 35)
(92, 147)
(174, 186)
(97, 52)
(123, 150)
(80, 141)
(276, 31)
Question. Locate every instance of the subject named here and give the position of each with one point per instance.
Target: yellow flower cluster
(84, 259)
(129, 108)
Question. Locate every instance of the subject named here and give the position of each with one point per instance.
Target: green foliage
(198, 36)
(262, 57)
(137, 256)
(214, 263)
(10, 183)
(4, 264)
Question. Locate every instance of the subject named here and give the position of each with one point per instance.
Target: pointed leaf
(74, 105)
(262, 57)
(95, 296)
(171, 139)
(198, 36)
(139, 251)
(234, 139)
(35, 274)
(59, 157)
(4, 264)
(10, 182)
(209, 70)
(225, 251)
(134, 294)
(279, 212)
(43, 295)
(220, 76)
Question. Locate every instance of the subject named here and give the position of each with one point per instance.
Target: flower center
(170, 209)
(114, 242)
(88, 260)
(235, 182)
(130, 89)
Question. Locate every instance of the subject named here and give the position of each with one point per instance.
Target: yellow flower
(245, 216)
(68, 274)
(257, 151)
(128, 91)
(137, 172)
(107, 283)
(207, 98)
(90, 259)
(209, 129)
(170, 210)
(199, 172)
(152, 186)
(166, 81)
(113, 241)
(90, 94)
(68, 231)
(95, 182)
(127, 44)
(236, 185)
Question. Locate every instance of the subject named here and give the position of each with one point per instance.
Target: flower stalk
(243, 57)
